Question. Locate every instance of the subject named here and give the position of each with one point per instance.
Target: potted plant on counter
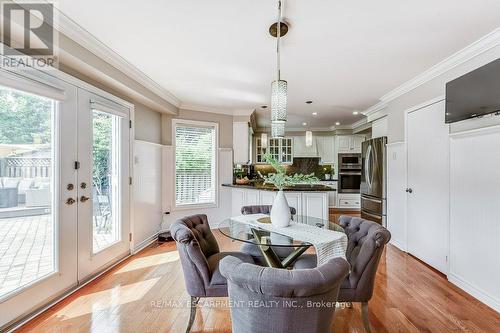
(280, 212)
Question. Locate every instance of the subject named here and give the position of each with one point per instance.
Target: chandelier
(278, 88)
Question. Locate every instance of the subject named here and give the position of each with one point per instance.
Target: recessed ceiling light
(309, 102)
(355, 113)
(315, 113)
(264, 106)
(304, 124)
(337, 123)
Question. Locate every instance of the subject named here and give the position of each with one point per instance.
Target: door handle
(70, 201)
(84, 198)
(409, 190)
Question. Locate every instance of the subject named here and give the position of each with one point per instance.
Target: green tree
(24, 117)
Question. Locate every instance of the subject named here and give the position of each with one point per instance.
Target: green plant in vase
(280, 212)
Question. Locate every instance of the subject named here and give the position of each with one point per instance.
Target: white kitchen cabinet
(280, 149)
(315, 204)
(332, 195)
(326, 149)
(294, 200)
(252, 198)
(242, 143)
(266, 197)
(349, 144)
(349, 200)
(300, 149)
(238, 200)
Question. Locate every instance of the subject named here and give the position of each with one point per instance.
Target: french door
(64, 190)
(103, 183)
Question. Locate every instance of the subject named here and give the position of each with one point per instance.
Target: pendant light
(309, 139)
(263, 140)
(279, 90)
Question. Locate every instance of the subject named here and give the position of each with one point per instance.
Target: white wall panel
(147, 192)
(474, 214)
(396, 195)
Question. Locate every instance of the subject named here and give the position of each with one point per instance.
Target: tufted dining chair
(287, 300)
(200, 256)
(366, 242)
(253, 249)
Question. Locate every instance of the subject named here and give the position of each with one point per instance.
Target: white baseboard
(475, 292)
(398, 245)
(148, 241)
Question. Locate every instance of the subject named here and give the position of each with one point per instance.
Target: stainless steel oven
(349, 181)
(349, 173)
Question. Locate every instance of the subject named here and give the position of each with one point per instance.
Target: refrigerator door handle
(372, 200)
(367, 165)
(372, 215)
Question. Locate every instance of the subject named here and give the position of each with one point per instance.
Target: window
(195, 163)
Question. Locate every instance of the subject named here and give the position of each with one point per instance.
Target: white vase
(280, 212)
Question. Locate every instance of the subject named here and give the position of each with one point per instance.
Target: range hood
(300, 149)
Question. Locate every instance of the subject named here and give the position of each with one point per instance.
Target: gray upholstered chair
(200, 256)
(262, 209)
(253, 249)
(276, 300)
(366, 242)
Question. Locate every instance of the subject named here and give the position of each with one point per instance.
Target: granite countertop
(296, 188)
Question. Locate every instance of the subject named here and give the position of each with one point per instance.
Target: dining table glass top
(256, 233)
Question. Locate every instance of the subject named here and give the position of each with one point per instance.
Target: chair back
(195, 243)
(366, 241)
(261, 209)
(268, 299)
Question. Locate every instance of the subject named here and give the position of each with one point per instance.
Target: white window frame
(175, 123)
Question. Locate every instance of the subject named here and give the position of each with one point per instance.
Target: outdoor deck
(27, 250)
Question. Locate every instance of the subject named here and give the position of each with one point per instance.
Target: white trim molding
(473, 50)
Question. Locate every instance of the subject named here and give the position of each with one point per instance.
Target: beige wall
(225, 125)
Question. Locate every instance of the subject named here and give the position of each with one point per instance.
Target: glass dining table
(269, 241)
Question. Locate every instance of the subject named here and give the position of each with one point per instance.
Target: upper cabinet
(326, 149)
(279, 149)
(242, 143)
(349, 143)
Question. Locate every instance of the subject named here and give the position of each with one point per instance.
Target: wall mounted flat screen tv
(474, 94)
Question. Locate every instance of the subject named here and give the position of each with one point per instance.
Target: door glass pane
(27, 223)
(105, 180)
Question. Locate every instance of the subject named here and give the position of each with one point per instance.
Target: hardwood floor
(146, 294)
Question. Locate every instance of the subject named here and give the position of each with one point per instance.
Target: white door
(38, 210)
(103, 183)
(428, 179)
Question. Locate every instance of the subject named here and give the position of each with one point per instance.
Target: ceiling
(343, 55)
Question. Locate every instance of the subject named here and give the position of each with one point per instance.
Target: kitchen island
(310, 200)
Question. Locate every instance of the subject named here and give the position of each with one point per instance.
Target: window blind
(195, 178)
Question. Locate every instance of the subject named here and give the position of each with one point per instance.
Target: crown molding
(81, 36)
(471, 51)
(208, 109)
(360, 122)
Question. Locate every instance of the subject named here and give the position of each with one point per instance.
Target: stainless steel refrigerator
(373, 180)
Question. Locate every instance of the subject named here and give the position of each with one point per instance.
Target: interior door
(38, 210)
(103, 183)
(428, 185)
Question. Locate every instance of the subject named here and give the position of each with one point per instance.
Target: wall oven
(350, 162)
(349, 173)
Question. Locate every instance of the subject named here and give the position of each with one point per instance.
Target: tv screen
(474, 94)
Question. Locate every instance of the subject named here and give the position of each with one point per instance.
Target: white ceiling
(343, 55)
